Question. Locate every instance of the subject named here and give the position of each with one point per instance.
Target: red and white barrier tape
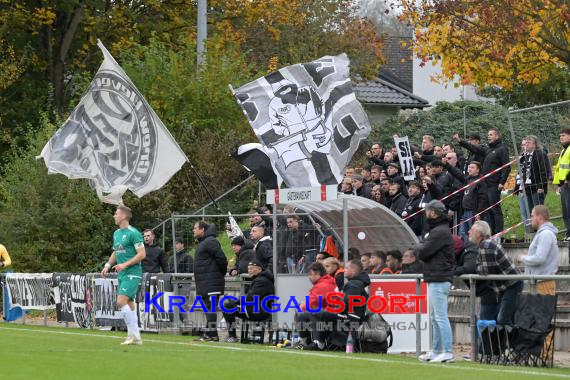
(482, 212)
(465, 187)
(499, 234)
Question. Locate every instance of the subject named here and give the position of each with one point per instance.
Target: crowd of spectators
(451, 168)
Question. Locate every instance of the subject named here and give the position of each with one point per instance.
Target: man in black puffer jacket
(262, 286)
(210, 266)
(436, 251)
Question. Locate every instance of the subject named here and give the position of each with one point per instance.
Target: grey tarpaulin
(383, 230)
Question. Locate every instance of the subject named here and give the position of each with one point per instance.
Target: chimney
(398, 69)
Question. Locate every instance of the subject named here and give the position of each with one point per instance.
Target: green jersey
(125, 244)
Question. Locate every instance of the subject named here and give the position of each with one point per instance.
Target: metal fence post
(418, 319)
(274, 217)
(345, 229)
(473, 319)
(173, 221)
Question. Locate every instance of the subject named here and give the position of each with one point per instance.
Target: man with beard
(398, 199)
(412, 206)
(436, 252)
(385, 188)
(155, 259)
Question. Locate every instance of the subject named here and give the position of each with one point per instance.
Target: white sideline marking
(305, 353)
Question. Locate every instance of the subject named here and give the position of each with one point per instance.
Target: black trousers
(211, 318)
(496, 213)
(305, 318)
(565, 200)
(231, 317)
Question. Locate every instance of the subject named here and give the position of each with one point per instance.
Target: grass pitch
(31, 352)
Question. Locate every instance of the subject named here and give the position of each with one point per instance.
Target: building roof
(382, 92)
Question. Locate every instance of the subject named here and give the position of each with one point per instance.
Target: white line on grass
(307, 353)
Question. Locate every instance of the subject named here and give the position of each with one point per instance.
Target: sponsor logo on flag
(114, 139)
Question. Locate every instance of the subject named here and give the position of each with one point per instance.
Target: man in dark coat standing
(210, 266)
(436, 252)
(155, 259)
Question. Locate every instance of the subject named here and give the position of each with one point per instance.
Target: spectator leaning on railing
(493, 260)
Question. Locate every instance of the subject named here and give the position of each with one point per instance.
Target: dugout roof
(382, 229)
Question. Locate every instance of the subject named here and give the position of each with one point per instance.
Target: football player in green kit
(128, 252)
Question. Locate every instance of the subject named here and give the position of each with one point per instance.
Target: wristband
(107, 265)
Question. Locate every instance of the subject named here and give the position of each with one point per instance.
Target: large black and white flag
(307, 118)
(256, 160)
(114, 138)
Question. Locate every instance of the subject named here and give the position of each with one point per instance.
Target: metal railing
(472, 278)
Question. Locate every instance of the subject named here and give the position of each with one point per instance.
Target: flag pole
(204, 186)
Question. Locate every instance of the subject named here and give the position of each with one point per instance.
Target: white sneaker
(428, 356)
(445, 357)
(132, 341)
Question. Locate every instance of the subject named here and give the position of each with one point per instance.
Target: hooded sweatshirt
(543, 254)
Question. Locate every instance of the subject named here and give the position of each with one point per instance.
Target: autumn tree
(278, 33)
(491, 42)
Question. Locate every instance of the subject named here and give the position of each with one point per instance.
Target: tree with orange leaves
(491, 42)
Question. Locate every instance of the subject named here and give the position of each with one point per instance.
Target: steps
(458, 311)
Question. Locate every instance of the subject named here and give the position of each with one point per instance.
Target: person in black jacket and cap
(210, 266)
(436, 252)
(244, 254)
(262, 286)
(184, 262)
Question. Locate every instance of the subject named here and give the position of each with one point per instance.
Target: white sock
(126, 310)
(135, 324)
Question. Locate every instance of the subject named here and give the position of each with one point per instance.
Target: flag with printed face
(114, 139)
(307, 118)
